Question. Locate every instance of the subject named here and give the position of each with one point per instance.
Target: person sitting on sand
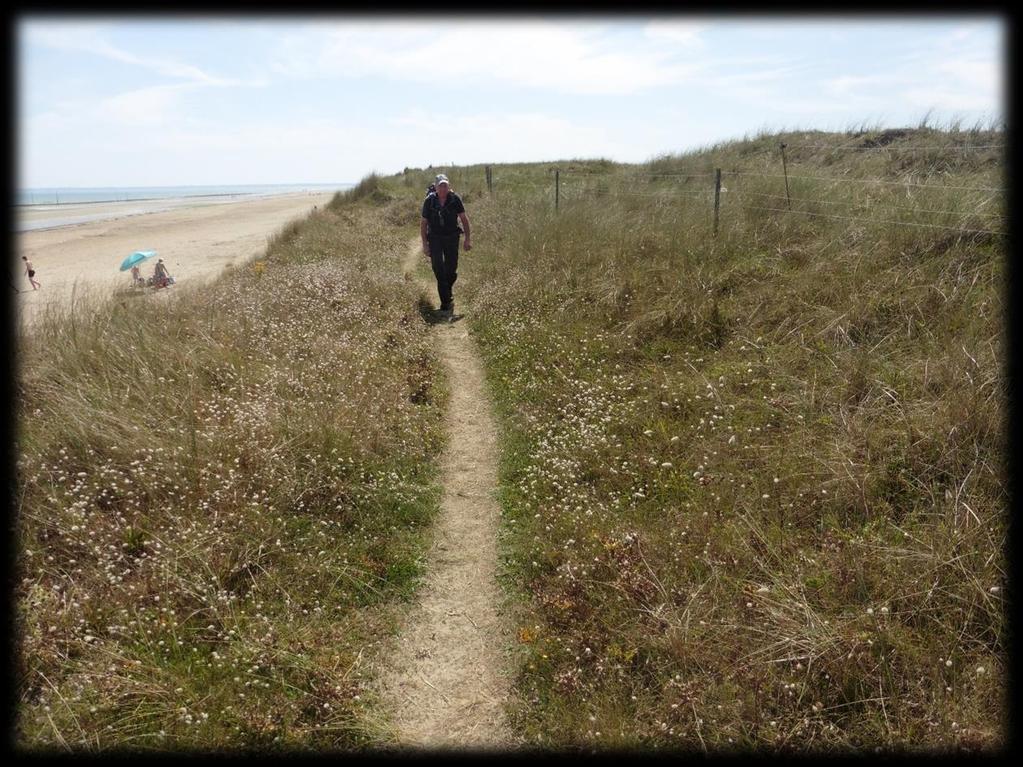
(161, 278)
(31, 272)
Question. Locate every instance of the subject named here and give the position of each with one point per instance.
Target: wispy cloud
(503, 137)
(137, 107)
(567, 58)
(347, 95)
(953, 72)
(686, 33)
(91, 38)
(142, 107)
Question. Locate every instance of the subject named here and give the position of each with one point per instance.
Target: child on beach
(31, 272)
(136, 277)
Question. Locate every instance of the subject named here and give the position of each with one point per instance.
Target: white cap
(442, 179)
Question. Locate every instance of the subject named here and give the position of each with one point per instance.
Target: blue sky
(149, 101)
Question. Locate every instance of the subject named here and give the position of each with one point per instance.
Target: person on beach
(136, 277)
(442, 210)
(161, 278)
(31, 272)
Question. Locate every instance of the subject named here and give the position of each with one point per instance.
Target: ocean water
(54, 208)
(80, 195)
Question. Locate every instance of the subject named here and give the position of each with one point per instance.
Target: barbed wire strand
(661, 196)
(889, 147)
(866, 181)
(880, 221)
(782, 175)
(843, 202)
(631, 174)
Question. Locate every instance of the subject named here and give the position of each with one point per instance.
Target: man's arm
(465, 228)
(422, 233)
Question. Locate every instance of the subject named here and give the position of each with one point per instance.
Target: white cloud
(87, 37)
(981, 74)
(675, 31)
(437, 138)
(848, 85)
(564, 57)
(946, 83)
(196, 151)
(756, 74)
(143, 107)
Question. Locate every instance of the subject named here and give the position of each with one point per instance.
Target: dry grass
(222, 496)
(754, 484)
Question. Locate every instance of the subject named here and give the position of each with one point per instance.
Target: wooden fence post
(717, 198)
(785, 170)
(557, 188)
(490, 184)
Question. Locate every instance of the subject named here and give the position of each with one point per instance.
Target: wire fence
(900, 147)
(852, 203)
(728, 190)
(879, 181)
(876, 221)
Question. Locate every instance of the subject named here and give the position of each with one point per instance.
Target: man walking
(442, 210)
(30, 271)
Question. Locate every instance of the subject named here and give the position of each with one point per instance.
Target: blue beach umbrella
(136, 258)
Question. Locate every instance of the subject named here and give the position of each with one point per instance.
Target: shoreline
(196, 242)
(47, 216)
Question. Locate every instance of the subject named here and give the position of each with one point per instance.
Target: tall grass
(222, 499)
(753, 483)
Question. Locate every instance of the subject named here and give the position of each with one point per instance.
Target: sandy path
(196, 243)
(448, 679)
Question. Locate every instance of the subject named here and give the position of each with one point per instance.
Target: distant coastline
(50, 196)
(81, 206)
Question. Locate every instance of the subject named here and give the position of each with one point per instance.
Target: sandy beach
(196, 240)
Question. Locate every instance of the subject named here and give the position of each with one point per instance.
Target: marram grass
(754, 492)
(222, 501)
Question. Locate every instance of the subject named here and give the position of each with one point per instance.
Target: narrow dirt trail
(448, 679)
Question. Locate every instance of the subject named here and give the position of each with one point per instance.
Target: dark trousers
(444, 259)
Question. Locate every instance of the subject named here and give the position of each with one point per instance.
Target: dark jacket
(443, 219)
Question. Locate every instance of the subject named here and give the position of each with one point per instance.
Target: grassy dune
(753, 483)
(223, 497)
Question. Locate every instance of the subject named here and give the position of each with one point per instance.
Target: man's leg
(437, 263)
(451, 265)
